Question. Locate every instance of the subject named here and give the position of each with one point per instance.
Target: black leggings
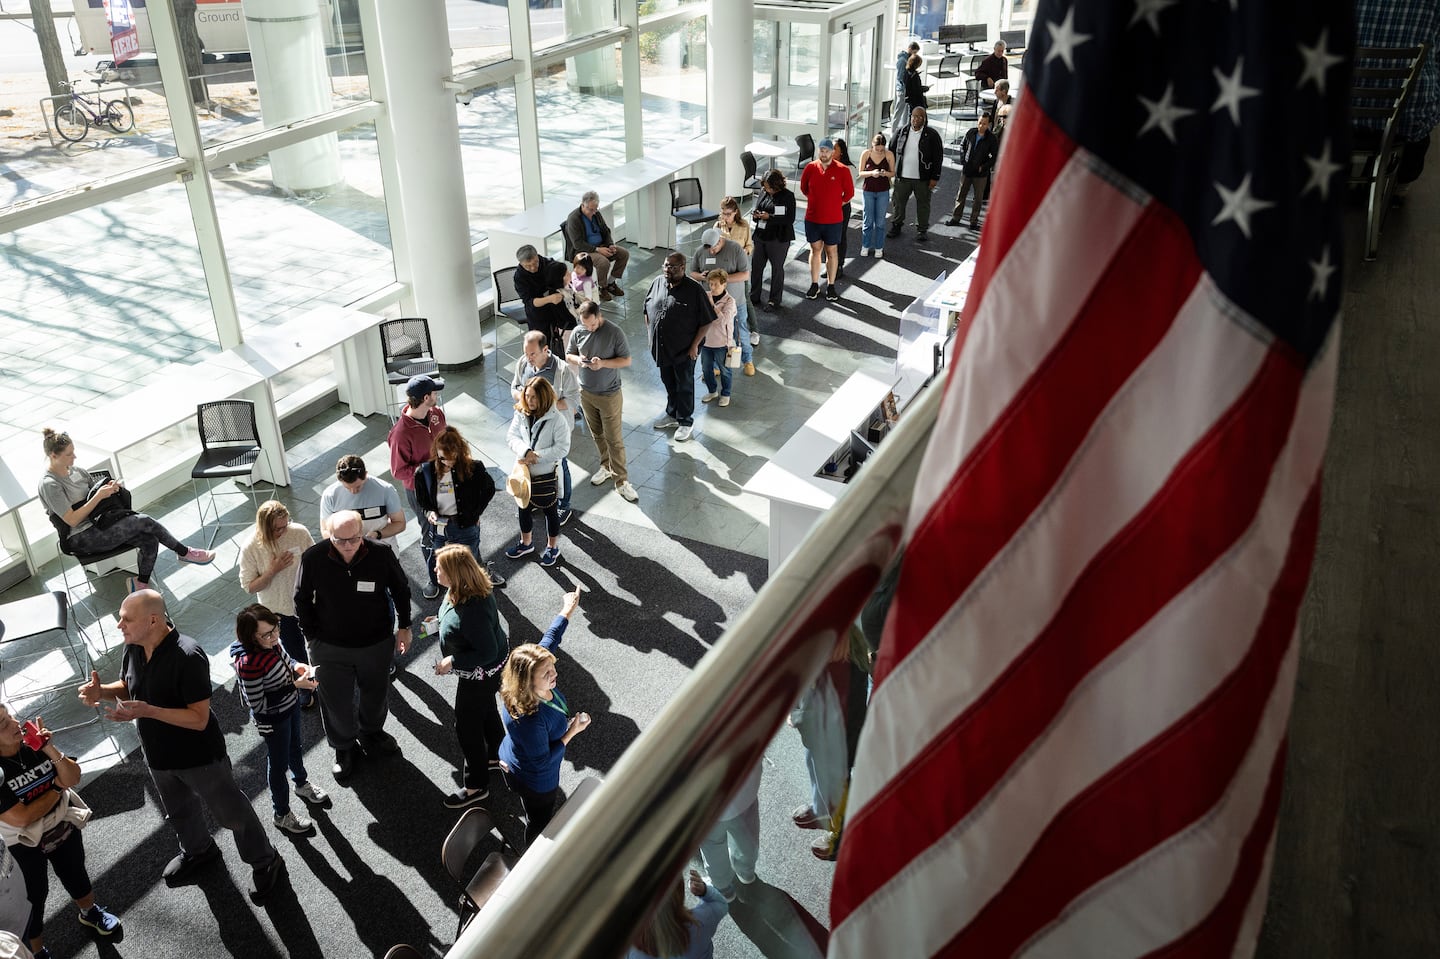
(68, 860)
(478, 727)
(141, 531)
(539, 808)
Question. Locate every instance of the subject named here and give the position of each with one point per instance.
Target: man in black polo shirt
(164, 687)
(677, 311)
(343, 594)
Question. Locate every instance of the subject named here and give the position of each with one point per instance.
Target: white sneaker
(754, 339)
(665, 422)
(683, 434)
(291, 823)
(600, 476)
(724, 401)
(311, 793)
(709, 397)
(879, 254)
(627, 491)
(864, 251)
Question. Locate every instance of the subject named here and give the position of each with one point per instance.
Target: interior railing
(627, 846)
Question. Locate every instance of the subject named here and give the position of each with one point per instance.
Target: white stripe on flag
(1034, 296)
(1126, 459)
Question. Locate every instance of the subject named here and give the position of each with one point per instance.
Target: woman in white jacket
(540, 438)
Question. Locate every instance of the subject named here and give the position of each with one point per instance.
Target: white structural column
(729, 68)
(594, 71)
(408, 51)
(288, 52)
(527, 121)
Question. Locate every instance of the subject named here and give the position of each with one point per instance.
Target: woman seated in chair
(96, 523)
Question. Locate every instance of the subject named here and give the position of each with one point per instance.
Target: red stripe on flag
(1159, 790)
(1036, 150)
(1210, 499)
(1015, 466)
(1217, 934)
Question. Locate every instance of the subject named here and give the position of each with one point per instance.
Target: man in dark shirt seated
(541, 281)
(993, 68)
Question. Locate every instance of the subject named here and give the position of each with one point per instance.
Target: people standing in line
(718, 252)
(730, 849)
(675, 932)
(736, 229)
(540, 283)
(97, 521)
(589, 233)
(719, 337)
(919, 155)
(410, 439)
(268, 565)
(842, 249)
(270, 682)
(539, 437)
(677, 310)
(453, 489)
(473, 647)
(977, 156)
(914, 94)
(344, 597)
(877, 169)
(901, 60)
(41, 816)
(538, 722)
(827, 186)
(598, 352)
(538, 360)
(377, 502)
(774, 217)
(1004, 103)
(164, 688)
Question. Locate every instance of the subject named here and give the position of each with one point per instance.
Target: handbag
(545, 490)
(732, 357)
(518, 484)
(110, 510)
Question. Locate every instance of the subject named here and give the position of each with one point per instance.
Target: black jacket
(977, 154)
(471, 496)
(932, 151)
(350, 605)
(780, 226)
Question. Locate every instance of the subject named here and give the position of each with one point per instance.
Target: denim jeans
(427, 532)
(285, 750)
(742, 332)
(872, 232)
(452, 533)
(294, 642)
(711, 357)
(565, 487)
(731, 848)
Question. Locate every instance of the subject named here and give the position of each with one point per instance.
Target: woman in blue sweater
(538, 722)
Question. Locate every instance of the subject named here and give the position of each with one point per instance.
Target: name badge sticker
(364, 586)
(372, 512)
(780, 211)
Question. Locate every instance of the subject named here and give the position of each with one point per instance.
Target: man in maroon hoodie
(827, 186)
(409, 441)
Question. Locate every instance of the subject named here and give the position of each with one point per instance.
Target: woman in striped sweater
(268, 680)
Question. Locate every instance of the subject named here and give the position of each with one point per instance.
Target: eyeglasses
(346, 540)
(268, 633)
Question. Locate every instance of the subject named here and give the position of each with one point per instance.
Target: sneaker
(805, 818)
(265, 879)
(613, 289)
(665, 422)
(519, 550)
(183, 867)
(826, 846)
(744, 880)
(814, 292)
(709, 397)
(565, 513)
(605, 296)
(200, 557)
(922, 237)
(831, 294)
(864, 251)
(975, 227)
(600, 476)
(627, 491)
(431, 590)
(551, 556)
(952, 222)
(379, 744)
(724, 401)
(496, 579)
(771, 306)
(311, 793)
(727, 894)
(892, 234)
(683, 434)
(465, 798)
(749, 369)
(754, 339)
(879, 254)
(293, 824)
(344, 766)
(98, 919)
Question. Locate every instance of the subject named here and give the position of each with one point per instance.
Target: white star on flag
(1317, 61)
(1163, 113)
(1321, 268)
(1232, 91)
(1064, 40)
(1237, 205)
(1149, 11)
(1322, 171)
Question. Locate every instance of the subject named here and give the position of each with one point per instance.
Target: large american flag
(1077, 737)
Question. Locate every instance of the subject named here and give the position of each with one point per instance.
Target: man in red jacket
(827, 186)
(409, 441)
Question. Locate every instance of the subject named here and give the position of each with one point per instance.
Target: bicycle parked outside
(75, 116)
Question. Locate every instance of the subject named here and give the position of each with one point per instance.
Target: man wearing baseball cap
(719, 252)
(410, 440)
(827, 186)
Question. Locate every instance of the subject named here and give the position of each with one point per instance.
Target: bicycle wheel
(118, 116)
(71, 122)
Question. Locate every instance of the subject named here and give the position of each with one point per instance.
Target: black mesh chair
(886, 112)
(408, 352)
(230, 447)
(806, 143)
(466, 834)
(30, 673)
(508, 306)
(568, 243)
(687, 202)
(752, 172)
(949, 67)
(965, 104)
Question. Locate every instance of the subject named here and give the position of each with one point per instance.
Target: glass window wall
(490, 151)
(580, 106)
(479, 32)
(555, 21)
(672, 82)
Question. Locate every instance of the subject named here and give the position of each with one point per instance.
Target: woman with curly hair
(538, 722)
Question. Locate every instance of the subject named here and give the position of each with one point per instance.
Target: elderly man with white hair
(589, 233)
(343, 598)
